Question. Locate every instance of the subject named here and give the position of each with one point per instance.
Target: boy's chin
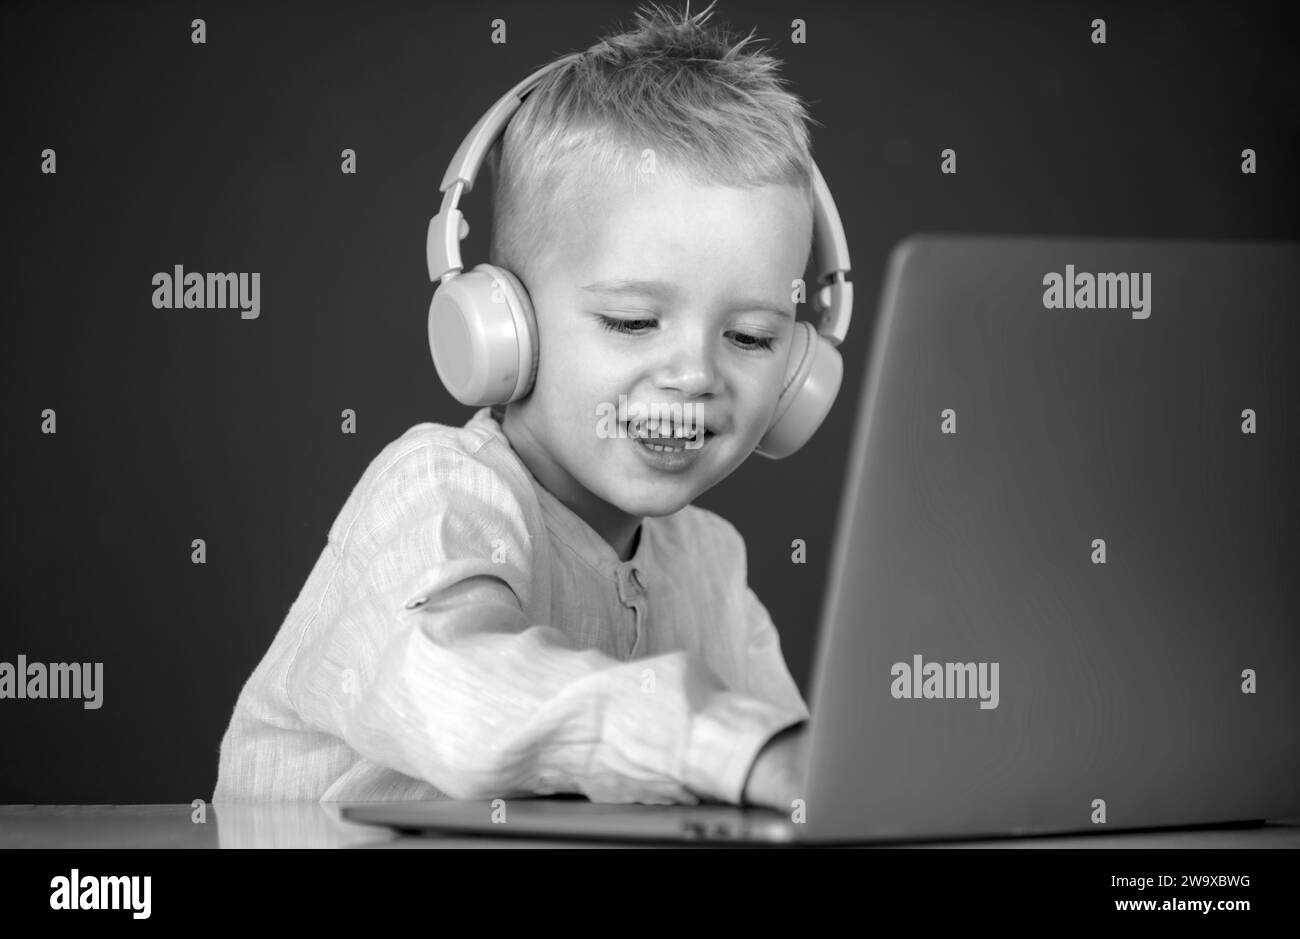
(657, 506)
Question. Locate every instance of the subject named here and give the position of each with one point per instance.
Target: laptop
(1063, 596)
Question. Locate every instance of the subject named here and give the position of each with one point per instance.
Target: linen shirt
(657, 679)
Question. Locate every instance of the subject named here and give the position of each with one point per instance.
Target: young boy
(523, 605)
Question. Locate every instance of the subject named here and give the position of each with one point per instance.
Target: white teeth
(658, 430)
(661, 448)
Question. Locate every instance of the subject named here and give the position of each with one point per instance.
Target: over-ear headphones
(483, 332)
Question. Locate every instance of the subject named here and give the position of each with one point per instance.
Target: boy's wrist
(758, 783)
(726, 738)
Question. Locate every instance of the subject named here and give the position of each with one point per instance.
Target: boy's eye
(755, 342)
(623, 326)
(637, 327)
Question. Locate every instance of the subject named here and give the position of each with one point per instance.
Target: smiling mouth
(669, 444)
(673, 453)
(657, 441)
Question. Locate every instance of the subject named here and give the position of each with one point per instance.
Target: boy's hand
(777, 777)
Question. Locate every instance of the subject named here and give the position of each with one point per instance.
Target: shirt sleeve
(766, 674)
(432, 667)
(769, 676)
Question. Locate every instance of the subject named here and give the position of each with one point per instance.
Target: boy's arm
(769, 676)
(462, 691)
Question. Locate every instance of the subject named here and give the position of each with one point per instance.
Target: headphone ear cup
(483, 336)
(525, 320)
(812, 381)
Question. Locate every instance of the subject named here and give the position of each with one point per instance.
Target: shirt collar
(571, 528)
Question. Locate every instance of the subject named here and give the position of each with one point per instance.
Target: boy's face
(712, 319)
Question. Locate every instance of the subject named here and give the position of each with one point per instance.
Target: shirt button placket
(632, 593)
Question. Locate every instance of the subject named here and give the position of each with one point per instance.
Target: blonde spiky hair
(712, 112)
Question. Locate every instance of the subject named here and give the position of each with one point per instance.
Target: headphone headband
(833, 302)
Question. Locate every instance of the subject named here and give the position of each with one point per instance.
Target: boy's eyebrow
(663, 290)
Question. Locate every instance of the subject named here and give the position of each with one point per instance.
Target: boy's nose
(691, 369)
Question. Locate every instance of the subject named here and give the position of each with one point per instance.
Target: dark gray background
(177, 424)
